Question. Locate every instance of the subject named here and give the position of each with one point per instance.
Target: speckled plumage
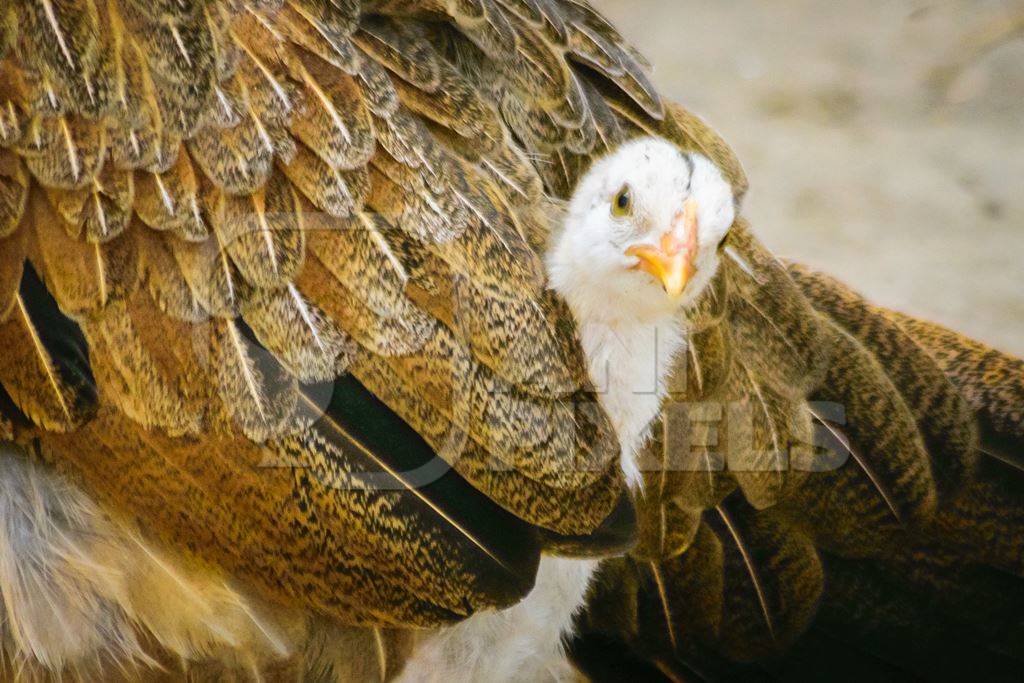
(210, 207)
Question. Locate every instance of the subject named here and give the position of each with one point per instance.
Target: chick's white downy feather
(631, 330)
(521, 644)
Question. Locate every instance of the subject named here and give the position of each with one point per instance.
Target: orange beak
(671, 262)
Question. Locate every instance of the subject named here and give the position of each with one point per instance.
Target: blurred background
(884, 139)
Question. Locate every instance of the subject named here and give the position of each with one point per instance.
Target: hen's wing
(991, 382)
(262, 260)
(824, 498)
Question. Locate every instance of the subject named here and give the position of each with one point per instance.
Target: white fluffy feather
(80, 592)
(522, 644)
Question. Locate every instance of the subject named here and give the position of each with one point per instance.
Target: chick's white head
(641, 235)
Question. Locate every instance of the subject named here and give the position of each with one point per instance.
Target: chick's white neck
(629, 361)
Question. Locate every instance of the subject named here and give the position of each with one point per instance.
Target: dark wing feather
(46, 370)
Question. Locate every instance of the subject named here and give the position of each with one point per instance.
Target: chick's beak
(672, 261)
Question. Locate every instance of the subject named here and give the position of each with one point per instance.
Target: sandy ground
(883, 144)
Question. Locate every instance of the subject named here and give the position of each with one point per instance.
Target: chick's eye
(622, 203)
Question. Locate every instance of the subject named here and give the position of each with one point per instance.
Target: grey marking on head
(689, 166)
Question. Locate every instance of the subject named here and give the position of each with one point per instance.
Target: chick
(639, 243)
